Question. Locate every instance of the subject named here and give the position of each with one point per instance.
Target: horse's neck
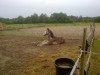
(53, 37)
(50, 34)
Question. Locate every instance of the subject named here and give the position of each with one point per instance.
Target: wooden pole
(76, 64)
(82, 60)
(93, 28)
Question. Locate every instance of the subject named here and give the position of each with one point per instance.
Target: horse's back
(60, 40)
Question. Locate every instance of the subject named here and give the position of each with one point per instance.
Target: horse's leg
(48, 38)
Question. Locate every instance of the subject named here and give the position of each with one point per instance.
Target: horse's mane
(51, 33)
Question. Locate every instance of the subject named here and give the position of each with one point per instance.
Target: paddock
(19, 55)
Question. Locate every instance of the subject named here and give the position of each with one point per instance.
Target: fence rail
(83, 60)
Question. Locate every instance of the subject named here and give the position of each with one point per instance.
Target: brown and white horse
(52, 38)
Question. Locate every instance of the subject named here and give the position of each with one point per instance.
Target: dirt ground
(19, 55)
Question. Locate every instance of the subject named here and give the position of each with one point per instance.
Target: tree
(34, 18)
(19, 20)
(43, 18)
(59, 18)
(54, 18)
(80, 19)
(97, 19)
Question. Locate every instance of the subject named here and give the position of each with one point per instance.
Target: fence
(82, 64)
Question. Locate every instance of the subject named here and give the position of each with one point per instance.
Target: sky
(15, 8)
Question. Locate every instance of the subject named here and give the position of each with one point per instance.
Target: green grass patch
(95, 61)
(22, 26)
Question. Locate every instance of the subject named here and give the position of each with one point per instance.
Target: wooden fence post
(93, 28)
(82, 60)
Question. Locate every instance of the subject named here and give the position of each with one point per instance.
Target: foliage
(44, 18)
(97, 19)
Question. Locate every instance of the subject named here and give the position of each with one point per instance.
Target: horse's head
(46, 32)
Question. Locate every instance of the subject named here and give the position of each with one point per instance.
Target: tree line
(53, 18)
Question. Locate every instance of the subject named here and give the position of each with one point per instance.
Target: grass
(95, 65)
(22, 26)
(18, 58)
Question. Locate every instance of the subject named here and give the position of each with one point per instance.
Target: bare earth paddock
(20, 56)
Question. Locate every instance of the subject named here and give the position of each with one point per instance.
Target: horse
(52, 38)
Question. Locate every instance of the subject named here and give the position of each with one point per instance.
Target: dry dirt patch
(19, 56)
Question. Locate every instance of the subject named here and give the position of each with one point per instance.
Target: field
(20, 56)
(95, 65)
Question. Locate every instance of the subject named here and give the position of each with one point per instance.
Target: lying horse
(53, 39)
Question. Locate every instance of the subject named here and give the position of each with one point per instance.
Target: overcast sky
(15, 8)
